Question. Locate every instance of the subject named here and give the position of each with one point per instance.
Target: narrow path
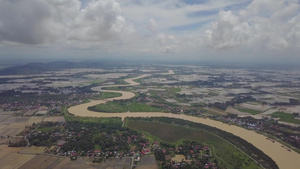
(28, 143)
(283, 158)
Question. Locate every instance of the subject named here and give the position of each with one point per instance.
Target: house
(61, 142)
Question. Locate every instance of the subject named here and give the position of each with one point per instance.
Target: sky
(196, 30)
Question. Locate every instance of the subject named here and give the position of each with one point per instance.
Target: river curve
(283, 158)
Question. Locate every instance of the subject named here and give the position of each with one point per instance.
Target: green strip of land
(250, 111)
(224, 151)
(285, 117)
(70, 118)
(106, 95)
(119, 107)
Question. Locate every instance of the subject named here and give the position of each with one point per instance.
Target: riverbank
(284, 159)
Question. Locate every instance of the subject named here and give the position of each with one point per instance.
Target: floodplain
(236, 100)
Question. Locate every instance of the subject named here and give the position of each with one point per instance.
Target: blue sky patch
(202, 13)
(189, 27)
(193, 2)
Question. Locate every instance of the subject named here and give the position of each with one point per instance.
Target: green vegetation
(172, 134)
(241, 144)
(173, 90)
(250, 111)
(103, 120)
(121, 81)
(140, 80)
(285, 117)
(254, 103)
(70, 118)
(86, 101)
(106, 95)
(107, 135)
(213, 93)
(49, 129)
(117, 107)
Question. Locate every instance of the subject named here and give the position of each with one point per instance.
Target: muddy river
(284, 159)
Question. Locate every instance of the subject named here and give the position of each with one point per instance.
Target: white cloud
(43, 21)
(99, 21)
(228, 31)
(263, 25)
(167, 43)
(152, 25)
(27, 22)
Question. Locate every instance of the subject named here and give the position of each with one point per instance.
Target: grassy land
(121, 82)
(250, 111)
(174, 90)
(69, 118)
(112, 88)
(254, 103)
(86, 101)
(48, 129)
(223, 150)
(285, 117)
(106, 95)
(139, 80)
(116, 107)
(212, 93)
(171, 93)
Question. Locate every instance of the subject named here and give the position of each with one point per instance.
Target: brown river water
(284, 159)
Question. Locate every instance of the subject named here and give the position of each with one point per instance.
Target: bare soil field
(29, 113)
(43, 161)
(2, 126)
(4, 141)
(4, 117)
(33, 150)
(55, 119)
(215, 110)
(258, 107)
(115, 163)
(147, 162)
(34, 119)
(290, 109)
(14, 160)
(4, 150)
(11, 126)
(87, 163)
(10, 131)
(290, 124)
(16, 125)
(13, 119)
(270, 111)
(178, 158)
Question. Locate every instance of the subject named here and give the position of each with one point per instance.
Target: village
(287, 133)
(112, 141)
(34, 117)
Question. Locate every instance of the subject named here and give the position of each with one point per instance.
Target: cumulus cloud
(43, 21)
(152, 27)
(228, 31)
(262, 24)
(26, 22)
(167, 43)
(99, 21)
